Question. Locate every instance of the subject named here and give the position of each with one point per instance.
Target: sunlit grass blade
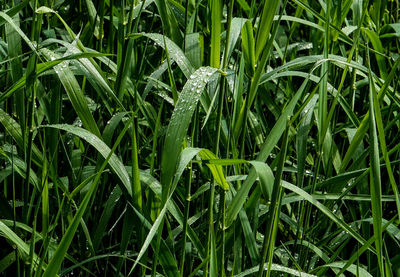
(13, 237)
(180, 120)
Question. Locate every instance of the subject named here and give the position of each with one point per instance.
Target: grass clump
(199, 138)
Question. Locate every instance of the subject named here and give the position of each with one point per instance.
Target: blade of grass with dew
(93, 73)
(194, 49)
(179, 122)
(12, 24)
(41, 68)
(354, 269)
(14, 10)
(74, 92)
(275, 267)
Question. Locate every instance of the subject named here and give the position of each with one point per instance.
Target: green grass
(199, 138)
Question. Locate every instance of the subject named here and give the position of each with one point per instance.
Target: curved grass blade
(174, 51)
(12, 236)
(58, 257)
(215, 169)
(114, 162)
(269, 144)
(354, 269)
(179, 123)
(186, 156)
(275, 267)
(74, 91)
(216, 16)
(43, 67)
(362, 129)
(263, 30)
(14, 129)
(92, 71)
(326, 211)
(10, 21)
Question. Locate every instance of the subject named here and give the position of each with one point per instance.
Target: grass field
(199, 138)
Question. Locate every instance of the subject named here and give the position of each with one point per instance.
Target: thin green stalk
(185, 222)
(188, 200)
(29, 127)
(210, 226)
(136, 186)
(323, 89)
(101, 25)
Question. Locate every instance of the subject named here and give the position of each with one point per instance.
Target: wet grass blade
(179, 123)
(74, 92)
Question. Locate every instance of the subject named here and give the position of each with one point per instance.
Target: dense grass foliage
(199, 138)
